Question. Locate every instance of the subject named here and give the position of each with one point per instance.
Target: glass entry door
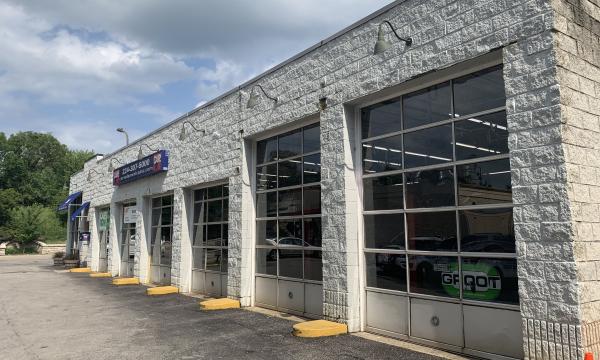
(128, 231)
(103, 232)
(161, 240)
(440, 257)
(288, 224)
(209, 245)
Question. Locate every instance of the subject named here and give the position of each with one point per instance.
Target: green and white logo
(104, 220)
(480, 281)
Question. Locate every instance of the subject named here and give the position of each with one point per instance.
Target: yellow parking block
(162, 290)
(81, 270)
(319, 328)
(126, 281)
(219, 304)
(101, 275)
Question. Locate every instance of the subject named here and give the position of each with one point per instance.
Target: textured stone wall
(577, 24)
(344, 69)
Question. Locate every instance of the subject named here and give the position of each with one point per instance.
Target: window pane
(266, 204)
(200, 194)
(312, 138)
(266, 150)
(290, 232)
(226, 209)
(266, 177)
(487, 231)
(382, 155)
(225, 190)
(434, 275)
(225, 235)
(198, 235)
(383, 193)
(214, 211)
(290, 172)
(290, 202)
(386, 271)
(428, 147)
(483, 90)
(381, 119)
(167, 200)
(384, 231)
(199, 212)
(198, 258)
(312, 168)
(312, 200)
(432, 231)
(312, 232)
(166, 217)
(290, 263)
(313, 265)
(430, 188)
(427, 106)
(266, 232)
(224, 260)
(484, 183)
(156, 202)
(213, 259)
(266, 261)
(213, 235)
(155, 216)
(215, 192)
(290, 144)
(165, 246)
(490, 280)
(484, 135)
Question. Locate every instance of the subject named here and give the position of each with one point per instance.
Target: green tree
(24, 225)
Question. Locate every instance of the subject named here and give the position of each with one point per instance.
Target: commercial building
(430, 173)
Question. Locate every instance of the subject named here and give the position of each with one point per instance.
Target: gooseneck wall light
(382, 44)
(253, 100)
(89, 175)
(141, 154)
(183, 134)
(110, 165)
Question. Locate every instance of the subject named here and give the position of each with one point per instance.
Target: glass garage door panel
(209, 244)
(437, 215)
(127, 243)
(289, 268)
(161, 240)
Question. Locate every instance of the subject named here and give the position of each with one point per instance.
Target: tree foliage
(35, 169)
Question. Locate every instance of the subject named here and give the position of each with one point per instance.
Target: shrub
(58, 255)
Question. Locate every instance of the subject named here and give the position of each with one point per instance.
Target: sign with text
(104, 220)
(150, 165)
(129, 214)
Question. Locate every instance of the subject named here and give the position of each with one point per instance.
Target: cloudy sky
(80, 69)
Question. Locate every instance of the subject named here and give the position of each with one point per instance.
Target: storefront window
(437, 192)
(162, 230)
(288, 205)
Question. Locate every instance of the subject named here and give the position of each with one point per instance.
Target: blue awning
(79, 210)
(65, 204)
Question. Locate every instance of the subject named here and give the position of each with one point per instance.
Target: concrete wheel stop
(319, 328)
(101, 275)
(81, 270)
(126, 281)
(162, 290)
(219, 304)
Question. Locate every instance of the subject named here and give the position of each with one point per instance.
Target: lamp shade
(252, 101)
(381, 45)
(182, 134)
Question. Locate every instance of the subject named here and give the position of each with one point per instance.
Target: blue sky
(80, 69)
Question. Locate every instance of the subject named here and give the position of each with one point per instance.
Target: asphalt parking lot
(47, 314)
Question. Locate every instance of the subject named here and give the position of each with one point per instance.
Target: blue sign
(150, 165)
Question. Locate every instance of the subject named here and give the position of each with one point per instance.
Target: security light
(111, 168)
(183, 133)
(382, 45)
(141, 154)
(89, 175)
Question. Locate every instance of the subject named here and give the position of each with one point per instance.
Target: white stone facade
(551, 55)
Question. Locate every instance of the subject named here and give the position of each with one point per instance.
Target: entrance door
(128, 231)
(103, 229)
(440, 261)
(161, 240)
(288, 211)
(209, 247)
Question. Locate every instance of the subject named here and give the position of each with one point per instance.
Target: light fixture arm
(110, 164)
(193, 127)
(408, 41)
(89, 176)
(141, 154)
(264, 92)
